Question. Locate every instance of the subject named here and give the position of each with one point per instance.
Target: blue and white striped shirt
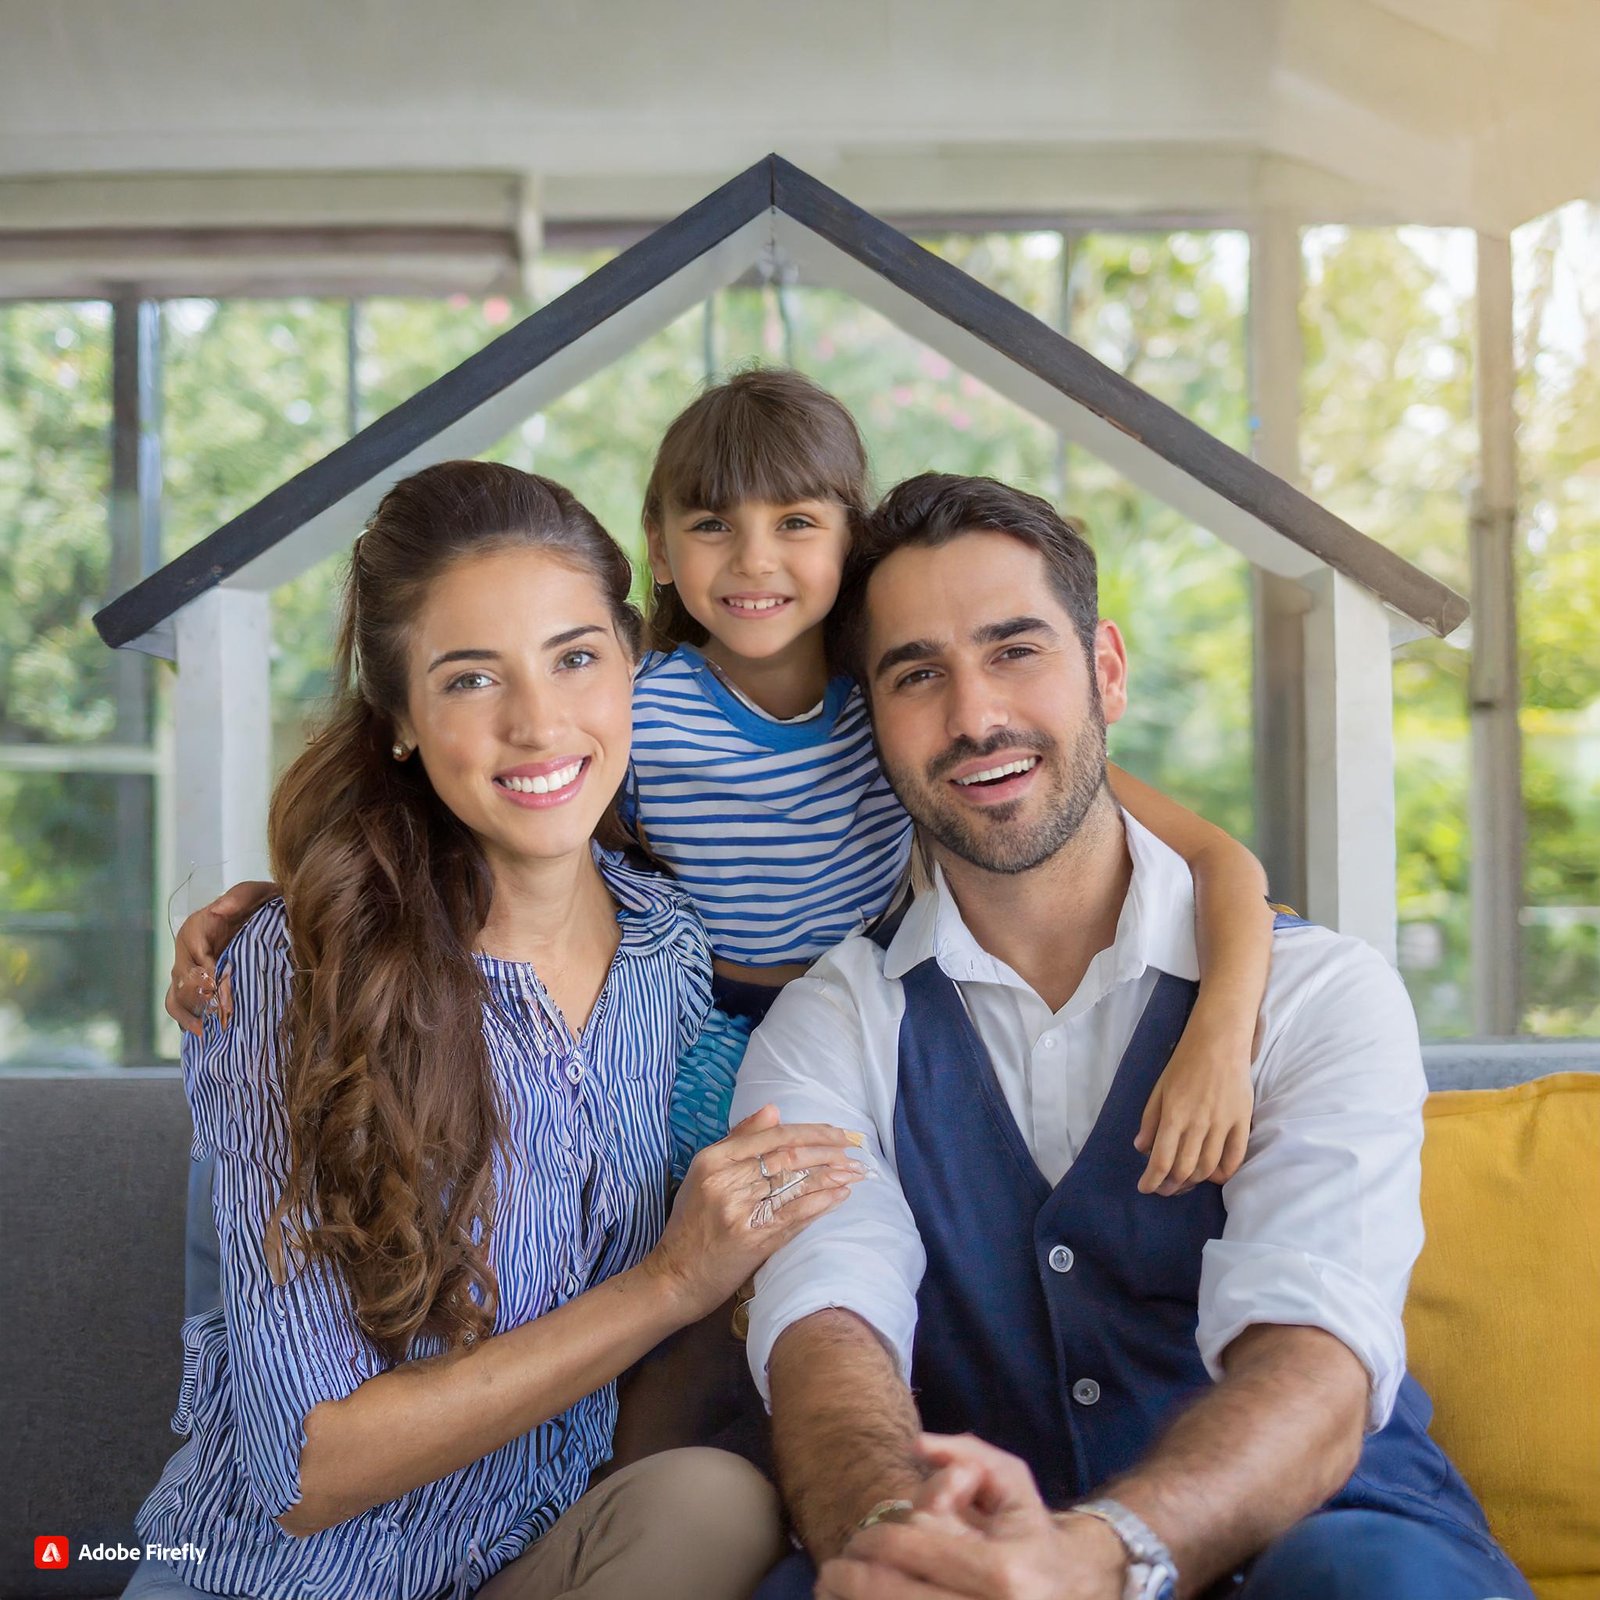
(786, 834)
(581, 1189)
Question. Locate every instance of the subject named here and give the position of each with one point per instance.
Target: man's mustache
(1001, 739)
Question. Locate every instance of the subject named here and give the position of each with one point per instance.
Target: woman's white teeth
(755, 605)
(991, 774)
(545, 783)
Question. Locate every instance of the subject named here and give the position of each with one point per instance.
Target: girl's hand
(195, 988)
(1197, 1123)
(728, 1218)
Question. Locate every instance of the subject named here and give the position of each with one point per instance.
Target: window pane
(1168, 312)
(58, 682)
(76, 943)
(1557, 262)
(1388, 442)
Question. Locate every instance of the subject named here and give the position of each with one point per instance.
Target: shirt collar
(651, 909)
(1154, 929)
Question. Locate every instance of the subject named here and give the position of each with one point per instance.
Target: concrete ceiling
(1473, 112)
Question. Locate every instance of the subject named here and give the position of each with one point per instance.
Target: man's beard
(995, 841)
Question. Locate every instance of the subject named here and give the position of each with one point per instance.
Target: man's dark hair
(935, 507)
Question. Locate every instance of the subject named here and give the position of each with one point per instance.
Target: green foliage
(55, 408)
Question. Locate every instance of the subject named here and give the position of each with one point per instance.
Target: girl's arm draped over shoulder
(1197, 1123)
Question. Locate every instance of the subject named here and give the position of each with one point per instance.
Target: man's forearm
(1268, 1445)
(844, 1427)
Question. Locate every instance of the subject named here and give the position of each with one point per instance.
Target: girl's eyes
(467, 680)
(797, 523)
(578, 658)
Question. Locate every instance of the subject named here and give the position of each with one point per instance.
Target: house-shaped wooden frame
(208, 608)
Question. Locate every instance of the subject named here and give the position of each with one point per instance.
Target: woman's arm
(421, 1420)
(1198, 1119)
(326, 1430)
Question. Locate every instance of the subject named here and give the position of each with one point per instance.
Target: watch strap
(1152, 1573)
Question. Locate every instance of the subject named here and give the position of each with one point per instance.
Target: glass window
(1557, 278)
(1388, 441)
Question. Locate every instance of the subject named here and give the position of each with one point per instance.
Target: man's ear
(655, 546)
(1111, 670)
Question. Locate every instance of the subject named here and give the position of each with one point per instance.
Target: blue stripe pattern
(786, 835)
(581, 1188)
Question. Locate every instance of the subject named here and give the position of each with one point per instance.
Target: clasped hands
(979, 1531)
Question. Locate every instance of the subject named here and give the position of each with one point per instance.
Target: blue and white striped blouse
(786, 834)
(581, 1190)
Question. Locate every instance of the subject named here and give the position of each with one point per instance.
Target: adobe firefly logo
(50, 1550)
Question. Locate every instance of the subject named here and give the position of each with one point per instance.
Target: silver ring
(761, 1162)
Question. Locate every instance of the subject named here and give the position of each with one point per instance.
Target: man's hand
(978, 1530)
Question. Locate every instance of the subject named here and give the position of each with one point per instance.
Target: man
(1173, 1391)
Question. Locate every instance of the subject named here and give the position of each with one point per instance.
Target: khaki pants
(690, 1524)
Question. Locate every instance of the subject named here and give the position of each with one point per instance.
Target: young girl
(755, 780)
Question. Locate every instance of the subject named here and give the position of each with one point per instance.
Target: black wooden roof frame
(775, 184)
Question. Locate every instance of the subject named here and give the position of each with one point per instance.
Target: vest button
(1086, 1391)
(1060, 1258)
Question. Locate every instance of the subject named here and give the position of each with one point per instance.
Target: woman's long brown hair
(392, 1113)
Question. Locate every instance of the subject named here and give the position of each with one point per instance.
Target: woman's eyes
(569, 660)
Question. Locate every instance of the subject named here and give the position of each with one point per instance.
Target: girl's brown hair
(767, 434)
(393, 1119)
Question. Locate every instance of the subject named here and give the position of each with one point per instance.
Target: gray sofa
(94, 1170)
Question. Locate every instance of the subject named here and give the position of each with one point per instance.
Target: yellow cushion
(1503, 1321)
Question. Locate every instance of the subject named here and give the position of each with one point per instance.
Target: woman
(440, 1116)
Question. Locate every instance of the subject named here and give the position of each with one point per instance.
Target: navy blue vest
(1060, 1324)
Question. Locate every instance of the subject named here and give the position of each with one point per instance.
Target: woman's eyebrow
(463, 655)
(554, 642)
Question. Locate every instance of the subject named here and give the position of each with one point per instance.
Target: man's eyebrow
(996, 632)
(989, 633)
(911, 650)
(554, 642)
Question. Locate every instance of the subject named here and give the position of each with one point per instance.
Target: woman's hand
(195, 987)
(744, 1198)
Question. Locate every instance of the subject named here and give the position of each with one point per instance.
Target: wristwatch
(1152, 1573)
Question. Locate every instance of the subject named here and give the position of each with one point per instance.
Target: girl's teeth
(991, 773)
(548, 783)
(754, 605)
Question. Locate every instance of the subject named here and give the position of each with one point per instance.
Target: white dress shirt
(1324, 1220)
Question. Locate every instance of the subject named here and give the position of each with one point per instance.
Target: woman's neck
(784, 685)
(537, 907)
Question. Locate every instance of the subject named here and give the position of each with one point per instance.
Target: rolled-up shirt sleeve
(293, 1345)
(1324, 1216)
(865, 1256)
